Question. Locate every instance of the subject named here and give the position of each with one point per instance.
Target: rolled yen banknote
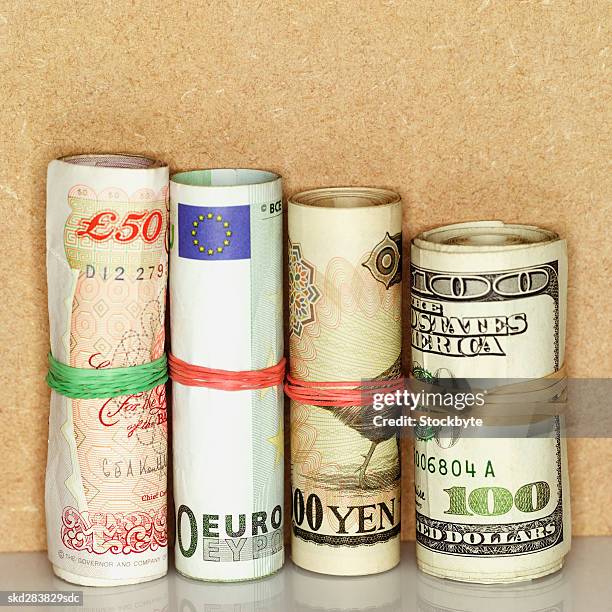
(226, 310)
(345, 325)
(106, 467)
(489, 303)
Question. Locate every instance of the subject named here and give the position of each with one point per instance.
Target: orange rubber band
(225, 380)
(339, 394)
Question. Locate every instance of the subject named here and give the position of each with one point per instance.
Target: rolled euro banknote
(227, 369)
(489, 304)
(345, 325)
(107, 258)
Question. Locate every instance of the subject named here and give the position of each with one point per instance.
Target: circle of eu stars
(211, 250)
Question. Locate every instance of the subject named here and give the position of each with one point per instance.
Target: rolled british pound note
(227, 369)
(107, 456)
(489, 303)
(345, 327)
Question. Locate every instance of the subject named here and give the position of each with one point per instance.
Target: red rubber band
(339, 394)
(225, 380)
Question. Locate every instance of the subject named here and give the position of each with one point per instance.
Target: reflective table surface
(583, 585)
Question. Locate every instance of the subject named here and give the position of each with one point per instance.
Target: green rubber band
(89, 383)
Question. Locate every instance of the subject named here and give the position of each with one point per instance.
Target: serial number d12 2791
(125, 273)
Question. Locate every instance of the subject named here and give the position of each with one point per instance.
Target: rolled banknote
(226, 322)
(107, 270)
(489, 302)
(345, 325)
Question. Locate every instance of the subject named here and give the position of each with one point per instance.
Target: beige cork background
(469, 109)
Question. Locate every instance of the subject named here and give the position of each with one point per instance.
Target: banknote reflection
(549, 594)
(313, 592)
(196, 596)
(150, 596)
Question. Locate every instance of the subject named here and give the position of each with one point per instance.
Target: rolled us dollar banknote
(227, 369)
(489, 302)
(106, 466)
(345, 325)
